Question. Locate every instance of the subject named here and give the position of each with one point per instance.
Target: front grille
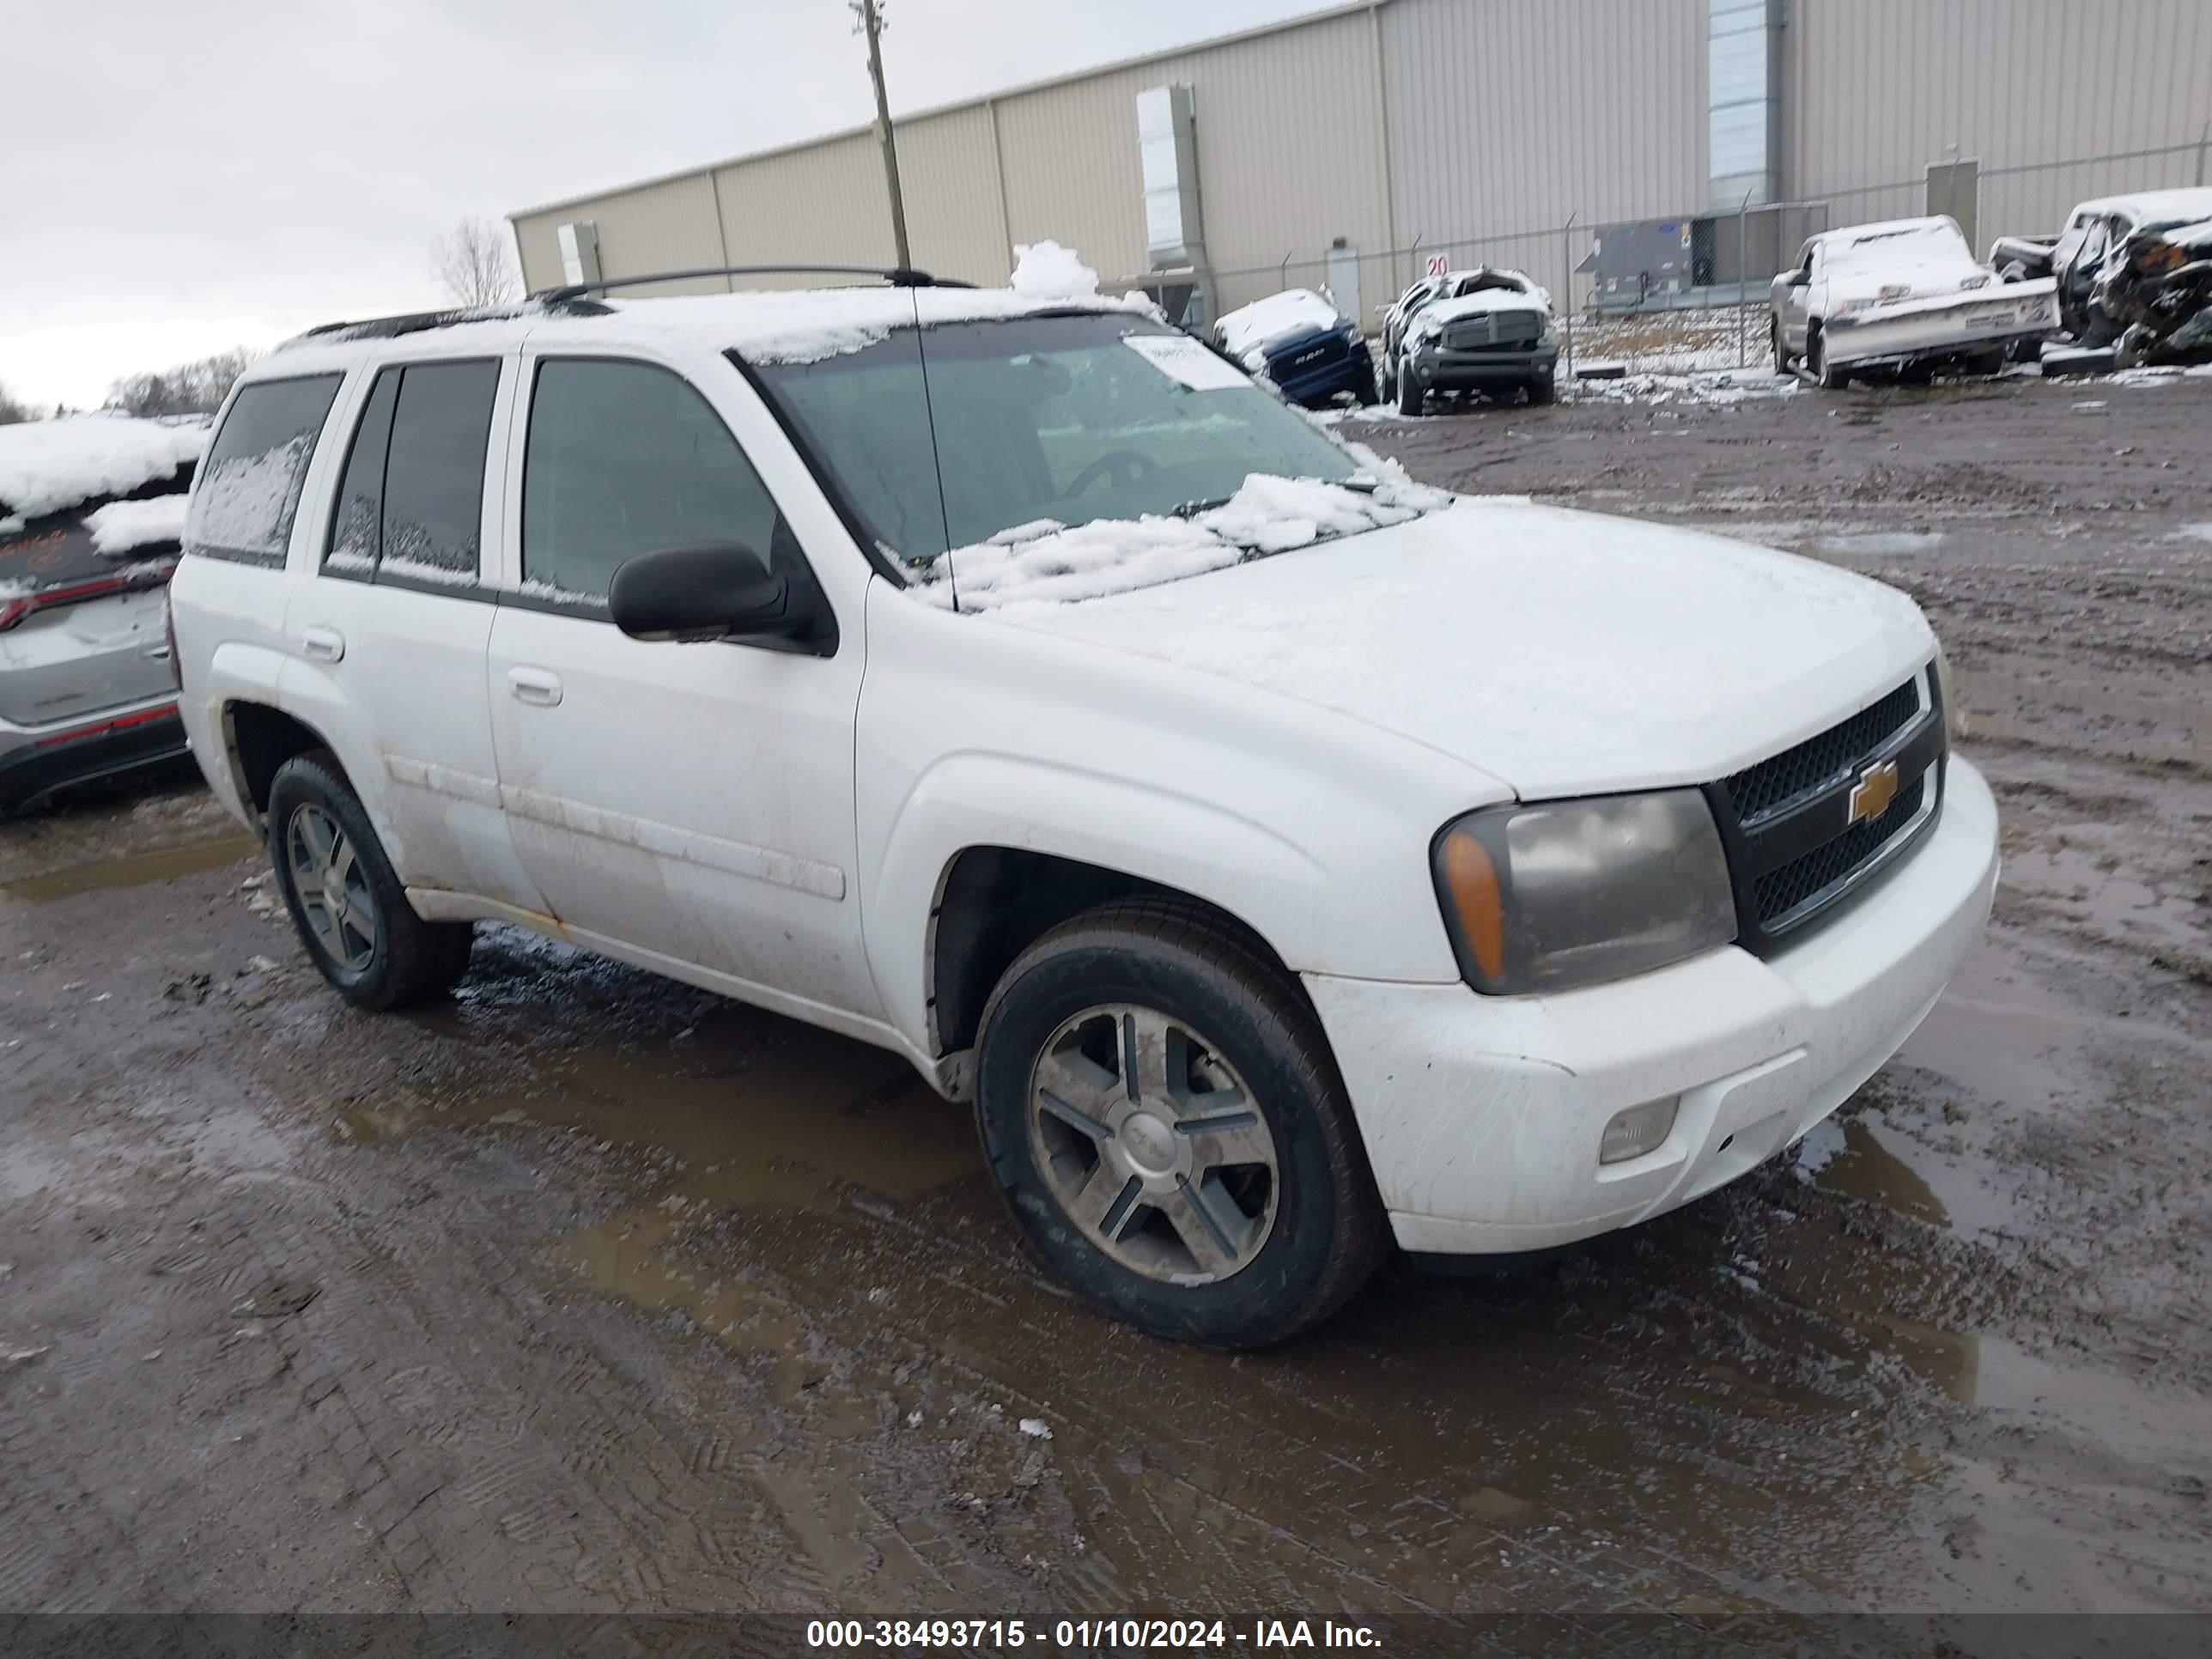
(1494, 331)
(1780, 891)
(1820, 762)
(1314, 355)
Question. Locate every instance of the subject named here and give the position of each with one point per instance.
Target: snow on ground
(1731, 386)
(120, 526)
(47, 465)
(1045, 562)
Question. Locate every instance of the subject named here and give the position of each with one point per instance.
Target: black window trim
(825, 642)
(282, 557)
(480, 591)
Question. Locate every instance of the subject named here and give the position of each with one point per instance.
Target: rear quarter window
(249, 485)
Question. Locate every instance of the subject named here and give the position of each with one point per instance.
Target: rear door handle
(540, 687)
(322, 644)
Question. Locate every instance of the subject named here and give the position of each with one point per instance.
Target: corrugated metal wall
(1503, 118)
(1509, 115)
(1877, 90)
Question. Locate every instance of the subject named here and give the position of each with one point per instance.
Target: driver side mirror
(717, 591)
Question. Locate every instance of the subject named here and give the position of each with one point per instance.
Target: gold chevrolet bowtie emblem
(1872, 794)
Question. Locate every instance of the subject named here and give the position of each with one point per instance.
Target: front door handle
(322, 644)
(539, 687)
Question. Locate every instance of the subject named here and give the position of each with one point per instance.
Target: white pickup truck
(1288, 860)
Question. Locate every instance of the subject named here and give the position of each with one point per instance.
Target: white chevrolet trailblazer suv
(1286, 859)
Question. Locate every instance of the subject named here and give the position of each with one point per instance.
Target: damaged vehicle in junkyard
(1300, 341)
(1905, 297)
(1486, 329)
(2133, 274)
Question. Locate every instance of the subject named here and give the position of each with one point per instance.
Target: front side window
(623, 458)
(248, 489)
(1070, 419)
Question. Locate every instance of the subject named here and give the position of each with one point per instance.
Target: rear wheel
(1161, 1111)
(350, 910)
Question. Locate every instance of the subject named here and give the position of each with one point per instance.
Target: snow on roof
(1250, 327)
(47, 465)
(120, 526)
(2155, 206)
(1046, 270)
(1046, 562)
(804, 326)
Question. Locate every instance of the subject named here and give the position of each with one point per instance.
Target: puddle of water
(1867, 1168)
(167, 864)
(1882, 542)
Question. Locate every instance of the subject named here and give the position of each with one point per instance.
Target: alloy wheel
(332, 887)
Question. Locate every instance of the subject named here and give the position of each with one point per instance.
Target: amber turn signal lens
(1472, 878)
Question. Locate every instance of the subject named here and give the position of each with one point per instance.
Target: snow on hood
(1046, 270)
(120, 526)
(47, 465)
(1565, 653)
(1482, 300)
(1249, 329)
(1047, 563)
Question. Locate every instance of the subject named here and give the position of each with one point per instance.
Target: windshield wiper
(1192, 509)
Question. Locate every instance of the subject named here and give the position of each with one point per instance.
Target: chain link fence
(1704, 307)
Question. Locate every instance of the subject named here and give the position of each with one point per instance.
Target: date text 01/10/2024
(1090, 1635)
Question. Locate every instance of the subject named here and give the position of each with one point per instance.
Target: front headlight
(1559, 894)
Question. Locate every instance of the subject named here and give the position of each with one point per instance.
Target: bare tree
(193, 388)
(473, 265)
(11, 411)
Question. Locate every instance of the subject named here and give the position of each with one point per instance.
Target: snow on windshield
(1045, 562)
(47, 465)
(1244, 330)
(120, 526)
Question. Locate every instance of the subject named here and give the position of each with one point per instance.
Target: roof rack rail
(415, 322)
(896, 276)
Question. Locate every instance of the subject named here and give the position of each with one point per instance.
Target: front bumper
(1481, 1117)
(1438, 370)
(1311, 388)
(1944, 325)
(34, 763)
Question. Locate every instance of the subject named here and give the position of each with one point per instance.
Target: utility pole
(871, 25)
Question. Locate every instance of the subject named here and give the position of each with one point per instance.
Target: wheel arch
(258, 738)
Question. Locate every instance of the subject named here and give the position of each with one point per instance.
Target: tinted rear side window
(249, 484)
(358, 524)
(624, 457)
(434, 472)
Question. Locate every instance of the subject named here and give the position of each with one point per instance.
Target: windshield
(1908, 245)
(1060, 417)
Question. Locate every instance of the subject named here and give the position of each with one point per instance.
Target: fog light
(1639, 1130)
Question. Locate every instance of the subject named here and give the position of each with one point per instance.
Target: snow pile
(1046, 270)
(47, 465)
(1045, 562)
(122, 526)
(1246, 330)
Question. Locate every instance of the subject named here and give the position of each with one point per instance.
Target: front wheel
(1543, 389)
(1409, 392)
(1159, 1108)
(1363, 386)
(1781, 351)
(1830, 377)
(350, 909)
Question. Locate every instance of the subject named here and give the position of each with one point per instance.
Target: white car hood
(1485, 299)
(1561, 653)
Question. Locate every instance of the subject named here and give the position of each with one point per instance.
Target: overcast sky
(176, 178)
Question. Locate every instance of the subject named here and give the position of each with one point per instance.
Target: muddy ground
(588, 1291)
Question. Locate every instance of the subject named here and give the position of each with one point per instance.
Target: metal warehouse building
(1627, 151)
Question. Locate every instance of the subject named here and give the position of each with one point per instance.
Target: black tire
(1816, 362)
(411, 960)
(1328, 1232)
(1781, 351)
(1363, 385)
(1409, 392)
(1389, 384)
(1543, 389)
